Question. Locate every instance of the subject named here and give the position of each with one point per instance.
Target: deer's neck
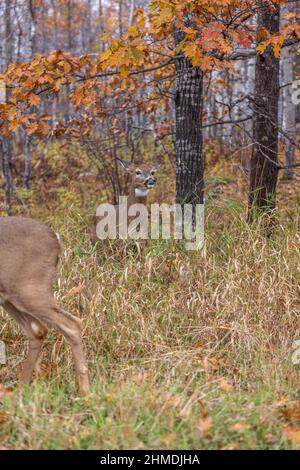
(138, 196)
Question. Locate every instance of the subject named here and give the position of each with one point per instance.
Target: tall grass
(185, 350)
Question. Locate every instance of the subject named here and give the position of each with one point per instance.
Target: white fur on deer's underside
(57, 236)
(141, 192)
(35, 328)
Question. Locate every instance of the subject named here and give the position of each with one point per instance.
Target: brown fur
(137, 182)
(29, 253)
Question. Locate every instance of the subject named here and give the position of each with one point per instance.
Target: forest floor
(185, 350)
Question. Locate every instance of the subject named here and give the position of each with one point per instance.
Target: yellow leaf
(105, 55)
(131, 86)
(261, 47)
(192, 52)
(132, 31)
(124, 71)
(14, 125)
(123, 85)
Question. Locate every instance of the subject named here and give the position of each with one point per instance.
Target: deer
(29, 253)
(142, 180)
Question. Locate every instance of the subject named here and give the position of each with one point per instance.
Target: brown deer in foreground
(142, 180)
(29, 253)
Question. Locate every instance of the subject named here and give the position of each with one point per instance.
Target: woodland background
(185, 350)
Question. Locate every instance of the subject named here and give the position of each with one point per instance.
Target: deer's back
(29, 252)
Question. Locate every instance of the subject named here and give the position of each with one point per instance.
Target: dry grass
(185, 350)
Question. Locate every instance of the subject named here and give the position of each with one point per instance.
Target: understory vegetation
(186, 350)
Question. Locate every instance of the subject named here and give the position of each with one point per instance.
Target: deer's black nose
(150, 182)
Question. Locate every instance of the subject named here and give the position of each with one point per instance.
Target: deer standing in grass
(29, 253)
(141, 182)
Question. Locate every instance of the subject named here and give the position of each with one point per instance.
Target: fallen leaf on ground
(240, 427)
(204, 424)
(291, 410)
(76, 290)
(3, 416)
(171, 401)
(231, 446)
(5, 392)
(203, 408)
(292, 433)
(226, 386)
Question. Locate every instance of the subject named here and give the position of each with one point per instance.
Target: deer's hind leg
(44, 310)
(35, 332)
(70, 327)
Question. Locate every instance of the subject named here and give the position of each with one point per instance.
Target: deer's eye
(153, 172)
(138, 172)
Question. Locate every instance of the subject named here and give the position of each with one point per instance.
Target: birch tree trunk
(6, 141)
(289, 117)
(32, 52)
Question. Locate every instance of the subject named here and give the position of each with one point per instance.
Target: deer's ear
(124, 164)
(156, 165)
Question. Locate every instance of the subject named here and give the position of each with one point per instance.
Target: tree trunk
(120, 17)
(6, 146)
(289, 119)
(32, 52)
(263, 166)
(296, 75)
(188, 130)
(70, 49)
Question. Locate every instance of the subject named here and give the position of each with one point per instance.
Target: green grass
(143, 412)
(174, 340)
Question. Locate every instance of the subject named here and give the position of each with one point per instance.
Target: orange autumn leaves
(27, 81)
(142, 58)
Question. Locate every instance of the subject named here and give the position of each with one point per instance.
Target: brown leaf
(76, 290)
(31, 128)
(5, 392)
(204, 424)
(292, 433)
(231, 446)
(203, 408)
(171, 401)
(239, 427)
(210, 363)
(291, 410)
(3, 416)
(226, 386)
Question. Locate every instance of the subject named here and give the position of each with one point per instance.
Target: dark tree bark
(297, 75)
(6, 169)
(188, 130)
(263, 165)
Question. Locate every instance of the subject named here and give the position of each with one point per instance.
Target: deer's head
(142, 174)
